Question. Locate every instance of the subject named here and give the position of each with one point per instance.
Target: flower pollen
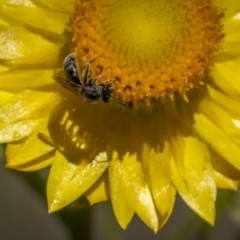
(147, 49)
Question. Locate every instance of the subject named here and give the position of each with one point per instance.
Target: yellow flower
(182, 132)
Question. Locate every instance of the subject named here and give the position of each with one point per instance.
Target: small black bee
(83, 84)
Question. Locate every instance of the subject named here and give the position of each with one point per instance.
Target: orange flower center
(147, 49)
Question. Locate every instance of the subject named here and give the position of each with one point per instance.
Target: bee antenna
(123, 104)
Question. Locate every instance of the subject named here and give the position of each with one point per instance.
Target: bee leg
(87, 69)
(93, 60)
(118, 101)
(87, 72)
(95, 80)
(74, 84)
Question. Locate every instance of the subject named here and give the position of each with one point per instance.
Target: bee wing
(66, 84)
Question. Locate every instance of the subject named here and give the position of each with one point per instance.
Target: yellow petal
(226, 176)
(27, 104)
(16, 42)
(220, 117)
(55, 5)
(229, 103)
(3, 68)
(16, 79)
(11, 47)
(99, 191)
(218, 140)
(221, 80)
(230, 11)
(231, 22)
(230, 71)
(224, 182)
(146, 210)
(44, 20)
(125, 179)
(5, 97)
(47, 57)
(231, 26)
(36, 164)
(28, 152)
(198, 188)
(229, 55)
(16, 131)
(27, 3)
(176, 137)
(163, 218)
(156, 167)
(67, 180)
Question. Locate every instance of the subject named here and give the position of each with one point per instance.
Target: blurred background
(23, 215)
